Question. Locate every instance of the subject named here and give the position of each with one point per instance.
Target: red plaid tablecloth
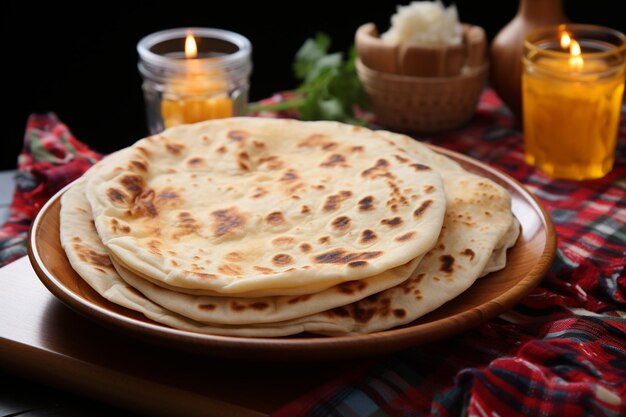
(560, 352)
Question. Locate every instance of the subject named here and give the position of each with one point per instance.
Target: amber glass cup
(572, 87)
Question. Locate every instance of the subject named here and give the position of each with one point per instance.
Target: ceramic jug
(506, 49)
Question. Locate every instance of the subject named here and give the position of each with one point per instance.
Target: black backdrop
(80, 60)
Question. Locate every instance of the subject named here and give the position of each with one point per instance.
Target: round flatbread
(275, 206)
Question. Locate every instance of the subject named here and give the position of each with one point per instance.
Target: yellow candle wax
(199, 95)
(572, 107)
(195, 98)
(570, 125)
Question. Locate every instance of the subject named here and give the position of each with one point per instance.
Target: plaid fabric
(50, 159)
(559, 352)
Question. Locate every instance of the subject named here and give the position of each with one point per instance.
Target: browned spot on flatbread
(393, 222)
(116, 195)
(229, 269)
(380, 169)
(154, 246)
(318, 141)
(92, 257)
(275, 218)
(447, 263)
(335, 160)
(404, 237)
(367, 236)
(174, 148)
(341, 256)
(299, 299)
(401, 159)
(186, 224)
(290, 175)
(196, 162)
(227, 221)
(259, 192)
(259, 305)
(263, 269)
(140, 165)
(357, 264)
(338, 312)
(167, 197)
(144, 205)
(333, 201)
(366, 203)
(233, 257)
(356, 149)
(258, 144)
(305, 247)
(429, 189)
(117, 227)
(271, 161)
(399, 313)
(76, 239)
(323, 240)
(221, 149)
(341, 223)
(305, 209)
(469, 253)
(144, 151)
(283, 241)
(282, 259)
(235, 306)
(420, 167)
(207, 307)
(351, 287)
(202, 275)
(422, 208)
(363, 315)
(237, 135)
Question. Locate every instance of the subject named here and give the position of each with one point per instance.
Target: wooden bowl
(421, 60)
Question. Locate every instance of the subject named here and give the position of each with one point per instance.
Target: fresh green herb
(329, 86)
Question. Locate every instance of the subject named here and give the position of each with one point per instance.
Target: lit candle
(572, 88)
(199, 95)
(193, 74)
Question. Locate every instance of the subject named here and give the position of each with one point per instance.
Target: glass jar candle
(572, 88)
(193, 74)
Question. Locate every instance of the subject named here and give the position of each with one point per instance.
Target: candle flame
(575, 54)
(191, 49)
(575, 58)
(566, 40)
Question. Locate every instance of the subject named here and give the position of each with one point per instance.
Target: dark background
(80, 60)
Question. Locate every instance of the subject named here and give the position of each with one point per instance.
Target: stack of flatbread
(265, 228)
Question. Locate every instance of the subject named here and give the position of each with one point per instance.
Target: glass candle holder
(193, 74)
(572, 87)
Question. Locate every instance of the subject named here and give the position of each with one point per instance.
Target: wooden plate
(491, 295)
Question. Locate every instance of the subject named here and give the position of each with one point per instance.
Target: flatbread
(278, 206)
(476, 230)
(445, 272)
(85, 251)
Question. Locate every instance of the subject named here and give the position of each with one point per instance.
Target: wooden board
(42, 339)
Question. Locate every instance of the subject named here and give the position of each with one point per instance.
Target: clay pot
(507, 46)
